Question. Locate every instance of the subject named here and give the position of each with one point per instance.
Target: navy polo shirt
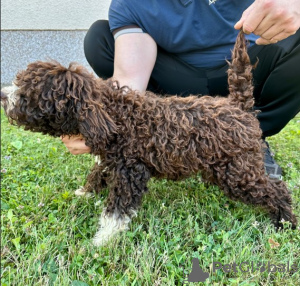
(200, 32)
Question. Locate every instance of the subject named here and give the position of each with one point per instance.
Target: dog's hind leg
(245, 180)
(277, 200)
(127, 184)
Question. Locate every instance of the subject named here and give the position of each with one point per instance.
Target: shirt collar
(185, 2)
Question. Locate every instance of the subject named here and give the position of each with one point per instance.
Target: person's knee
(99, 27)
(99, 48)
(94, 36)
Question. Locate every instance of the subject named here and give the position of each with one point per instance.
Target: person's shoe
(272, 168)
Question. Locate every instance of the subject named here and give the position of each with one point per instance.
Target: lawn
(47, 230)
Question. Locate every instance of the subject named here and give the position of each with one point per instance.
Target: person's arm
(135, 56)
(272, 20)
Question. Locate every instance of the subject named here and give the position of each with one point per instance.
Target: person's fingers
(252, 22)
(251, 18)
(283, 35)
(273, 21)
(271, 33)
(262, 41)
(75, 144)
(79, 151)
(67, 138)
(276, 38)
(277, 26)
(268, 27)
(239, 24)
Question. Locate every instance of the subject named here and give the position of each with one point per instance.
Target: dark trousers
(276, 77)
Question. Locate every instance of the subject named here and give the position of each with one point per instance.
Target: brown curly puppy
(140, 135)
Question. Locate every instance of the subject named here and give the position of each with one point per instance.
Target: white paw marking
(110, 225)
(81, 193)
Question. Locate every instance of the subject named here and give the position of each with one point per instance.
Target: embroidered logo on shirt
(212, 1)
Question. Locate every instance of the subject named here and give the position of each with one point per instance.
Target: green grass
(47, 230)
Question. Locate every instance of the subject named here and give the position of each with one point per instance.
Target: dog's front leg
(96, 181)
(127, 186)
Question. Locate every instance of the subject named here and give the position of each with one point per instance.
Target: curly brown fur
(240, 76)
(140, 135)
(96, 179)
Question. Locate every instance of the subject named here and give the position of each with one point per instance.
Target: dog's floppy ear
(94, 123)
(83, 92)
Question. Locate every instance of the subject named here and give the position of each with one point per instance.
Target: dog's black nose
(3, 96)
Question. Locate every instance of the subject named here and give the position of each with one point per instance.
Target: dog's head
(54, 100)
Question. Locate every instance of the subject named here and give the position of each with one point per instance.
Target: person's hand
(75, 144)
(272, 20)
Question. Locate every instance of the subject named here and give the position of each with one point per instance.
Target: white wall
(51, 14)
(41, 30)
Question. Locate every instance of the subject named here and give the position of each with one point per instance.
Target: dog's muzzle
(3, 96)
(8, 97)
(4, 99)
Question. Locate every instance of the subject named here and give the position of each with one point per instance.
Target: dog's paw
(284, 217)
(102, 237)
(82, 193)
(110, 225)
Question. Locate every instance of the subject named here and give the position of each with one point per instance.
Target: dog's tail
(240, 75)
